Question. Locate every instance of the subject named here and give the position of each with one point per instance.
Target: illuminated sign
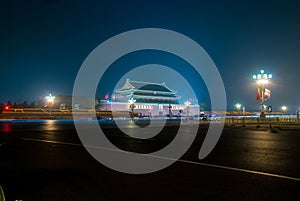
(176, 107)
(149, 107)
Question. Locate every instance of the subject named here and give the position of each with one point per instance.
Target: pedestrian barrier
(276, 122)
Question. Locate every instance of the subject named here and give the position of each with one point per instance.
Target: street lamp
(262, 79)
(187, 107)
(170, 109)
(284, 109)
(238, 106)
(131, 102)
(50, 99)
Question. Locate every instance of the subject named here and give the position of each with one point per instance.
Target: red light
(6, 107)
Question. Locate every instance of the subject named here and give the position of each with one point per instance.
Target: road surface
(45, 160)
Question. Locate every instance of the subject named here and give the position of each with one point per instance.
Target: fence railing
(263, 122)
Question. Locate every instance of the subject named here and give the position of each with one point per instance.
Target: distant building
(151, 99)
(145, 92)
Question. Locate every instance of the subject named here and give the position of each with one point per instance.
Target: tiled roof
(148, 86)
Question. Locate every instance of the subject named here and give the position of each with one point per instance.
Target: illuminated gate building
(148, 99)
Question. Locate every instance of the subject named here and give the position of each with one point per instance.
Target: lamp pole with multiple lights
(284, 109)
(131, 102)
(170, 109)
(187, 107)
(262, 79)
(238, 107)
(50, 99)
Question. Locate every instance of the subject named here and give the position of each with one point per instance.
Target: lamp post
(170, 109)
(284, 109)
(50, 99)
(262, 79)
(131, 102)
(187, 107)
(238, 107)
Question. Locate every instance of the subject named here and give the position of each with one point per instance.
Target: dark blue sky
(44, 42)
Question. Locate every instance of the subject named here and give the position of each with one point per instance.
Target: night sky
(44, 42)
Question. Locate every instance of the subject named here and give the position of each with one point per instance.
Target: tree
(32, 104)
(41, 103)
(24, 104)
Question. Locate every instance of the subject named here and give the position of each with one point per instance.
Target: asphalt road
(45, 161)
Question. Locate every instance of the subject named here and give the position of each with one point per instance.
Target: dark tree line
(24, 104)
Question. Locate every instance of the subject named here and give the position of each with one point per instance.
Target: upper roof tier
(145, 86)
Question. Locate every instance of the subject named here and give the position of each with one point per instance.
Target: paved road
(45, 161)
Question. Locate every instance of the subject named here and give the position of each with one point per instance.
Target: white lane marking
(68, 143)
(242, 170)
(166, 158)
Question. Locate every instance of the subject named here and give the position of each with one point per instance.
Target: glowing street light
(50, 99)
(238, 106)
(284, 108)
(187, 107)
(262, 79)
(131, 102)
